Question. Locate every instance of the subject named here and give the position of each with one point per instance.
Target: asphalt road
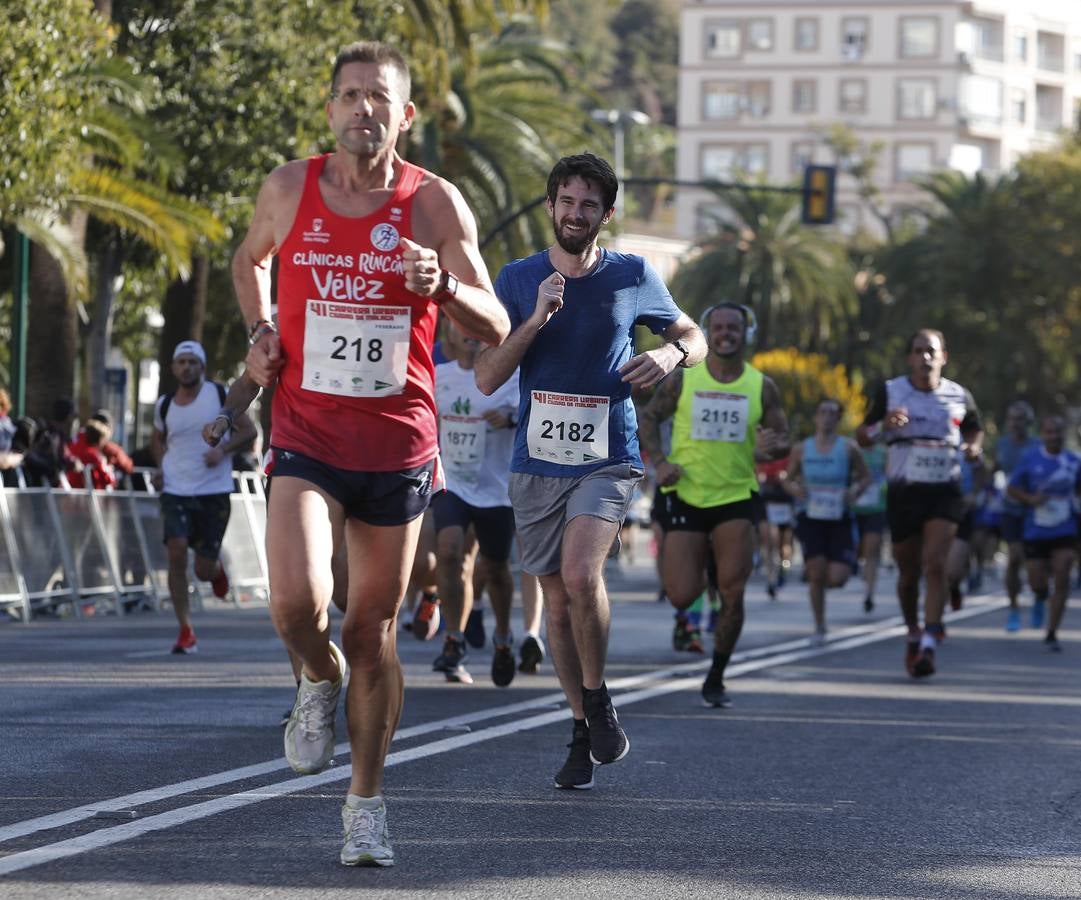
(127, 772)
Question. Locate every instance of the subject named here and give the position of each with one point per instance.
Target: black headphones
(750, 323)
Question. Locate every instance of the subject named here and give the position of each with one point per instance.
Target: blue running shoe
(1038, 607)
(1013, 619)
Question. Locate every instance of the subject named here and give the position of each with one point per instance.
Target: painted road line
(118, 833)
(166, 792)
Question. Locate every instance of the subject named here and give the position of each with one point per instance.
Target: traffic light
(818, 189)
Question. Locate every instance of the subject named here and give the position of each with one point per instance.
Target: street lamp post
(619, 119)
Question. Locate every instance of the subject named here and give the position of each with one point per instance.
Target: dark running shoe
(532, 654)
(453, 655)
(680, 633)
(220, 583)
(957, 599)
(713, 693)
(474, 629)
(912, 652)
(925, 663)
(1051, 642)
(426, 618)
(502, 665)
(577, 771)
(607, 741)
(868, 603)
(694, 641)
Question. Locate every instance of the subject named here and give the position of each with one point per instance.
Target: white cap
(192, 347)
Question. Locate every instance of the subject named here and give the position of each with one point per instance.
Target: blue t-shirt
(581, 349)
(1008, 453)
(1059, 477)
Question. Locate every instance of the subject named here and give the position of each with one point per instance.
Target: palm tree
(108, 182)
(503, 124)
(798, 282)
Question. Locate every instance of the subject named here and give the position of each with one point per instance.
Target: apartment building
(967, 84)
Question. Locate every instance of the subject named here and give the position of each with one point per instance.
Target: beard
(575, 244)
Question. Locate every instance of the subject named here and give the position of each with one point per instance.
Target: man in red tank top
(369, 248)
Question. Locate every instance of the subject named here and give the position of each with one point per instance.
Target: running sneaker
(577, 771)
(679, 633)
(771, 590)
(309, 736)
(532, 654)
(185, 641)
(924, 664)
(367, 841)
(1052, 644)
(868, 603)
(452, 654)
(1013, 619)
(502, 664)
(956, 597)
(818, 639)
(426, 619)
(713, 693)
(607, 741)
(912, 652)
(694, 641)
(219, 584)
(1039, 605)
(474, 629)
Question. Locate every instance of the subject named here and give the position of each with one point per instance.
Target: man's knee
(581, 579)
(367, 642)
(205, 569)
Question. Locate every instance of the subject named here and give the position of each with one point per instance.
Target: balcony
(1051, 52)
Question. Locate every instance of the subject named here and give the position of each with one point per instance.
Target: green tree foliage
(46, 46)
(798, 281)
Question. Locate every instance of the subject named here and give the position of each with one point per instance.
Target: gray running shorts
(543, 505)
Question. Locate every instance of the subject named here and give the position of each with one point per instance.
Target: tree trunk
(184, 310)
(100, 338)
(52, 332)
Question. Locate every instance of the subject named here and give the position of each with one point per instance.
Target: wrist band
(260, 327)
(226, 414)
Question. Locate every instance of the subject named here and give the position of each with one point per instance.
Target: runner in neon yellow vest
(726, 414)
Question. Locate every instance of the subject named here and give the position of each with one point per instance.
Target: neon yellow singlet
(713, 434)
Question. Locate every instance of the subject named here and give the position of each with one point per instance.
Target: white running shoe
(367, 841)
(309, 736)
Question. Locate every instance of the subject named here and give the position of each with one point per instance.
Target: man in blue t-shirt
(1009, 448)
(1046, 480)
(573, 309)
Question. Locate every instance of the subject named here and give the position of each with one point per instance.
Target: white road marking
(671, 681)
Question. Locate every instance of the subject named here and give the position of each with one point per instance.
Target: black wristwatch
(448, 287)
(682, 348)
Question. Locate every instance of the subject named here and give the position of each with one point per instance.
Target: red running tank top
(356, 390)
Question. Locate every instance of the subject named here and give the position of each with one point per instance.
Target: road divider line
(672, 679)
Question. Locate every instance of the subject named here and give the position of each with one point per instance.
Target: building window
(918, 38)
(916, 98)
(806, 35)
(853, 96)
(758, 99)
(724, 40)
(987, 39)
(719, 161)
(803, 154)
(854, 34)
(720, 100)
(1077, 57)
(982, 99)
(755, 159)
(803, 96)
(914, 160)
(1018, 106)
(760, 34)
(1020, 46)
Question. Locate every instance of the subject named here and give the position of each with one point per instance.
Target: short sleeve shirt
(581, 348)
(1059, 478)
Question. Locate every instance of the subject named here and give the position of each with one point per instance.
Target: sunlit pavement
(833, 775)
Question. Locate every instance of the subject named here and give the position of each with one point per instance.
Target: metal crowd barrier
(86, 548)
